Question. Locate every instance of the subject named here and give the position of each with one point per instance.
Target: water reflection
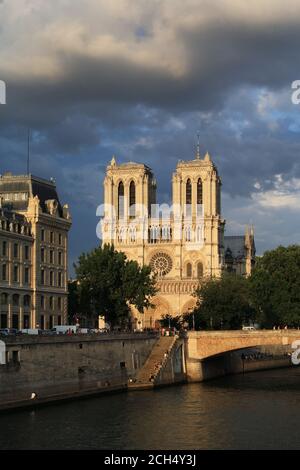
(258, 410)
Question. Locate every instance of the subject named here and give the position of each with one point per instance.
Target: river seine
(259, 410)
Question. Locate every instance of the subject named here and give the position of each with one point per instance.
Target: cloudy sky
(138, 79)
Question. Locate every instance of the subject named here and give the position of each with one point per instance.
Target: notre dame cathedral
(183, 243)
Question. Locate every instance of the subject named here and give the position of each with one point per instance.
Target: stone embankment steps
(157, 356)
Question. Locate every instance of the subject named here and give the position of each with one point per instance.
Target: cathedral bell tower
(197, 203)
(129, 192)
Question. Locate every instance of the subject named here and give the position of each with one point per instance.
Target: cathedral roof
(197, 162)
(128, 165)
(234, 245)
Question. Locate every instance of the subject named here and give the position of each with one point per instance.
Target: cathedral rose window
(161, 263)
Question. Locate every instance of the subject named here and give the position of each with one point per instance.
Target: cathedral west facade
(184, 243)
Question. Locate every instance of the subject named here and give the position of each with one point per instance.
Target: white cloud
(285, 195)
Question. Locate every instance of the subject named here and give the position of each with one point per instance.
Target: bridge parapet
(204, 344)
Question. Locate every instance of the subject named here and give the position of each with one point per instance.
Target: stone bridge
(205, 344)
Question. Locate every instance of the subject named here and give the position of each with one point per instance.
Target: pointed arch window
(121, 200)
(189, 270)
(132, 199)
(199, 197)
(199, 192)
(188, 193)
(199, 270)
(188, 197)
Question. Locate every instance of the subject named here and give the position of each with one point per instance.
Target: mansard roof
(15, 191)
(11, 221)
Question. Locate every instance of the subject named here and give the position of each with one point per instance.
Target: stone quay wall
(66, 364)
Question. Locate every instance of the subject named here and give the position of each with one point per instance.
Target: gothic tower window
(199, 270)
(199, 196)
(121, 201)
(132, 200)
(188, 189)
(189, 270)
(188, 197)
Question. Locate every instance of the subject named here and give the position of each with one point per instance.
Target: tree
(222, 303)
(73, 301)
(168, 321)
(109, 284)
(275, 287)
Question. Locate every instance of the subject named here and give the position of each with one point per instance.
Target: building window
(51, 303)
(199, 196)
(16, 274)
(59, 279)
(16, 300)
(4, 298)
(4, 248)
(121, 201)
(59, 239)
(59, 320)
(16, 250)
(42, 277)
(26, 321)
(51, 278)
(26, 276)
(189, 270)
(43, 235)
(51, 237)
(42, 302)
(132, 200)
(42, 255)
(4, 272)
(26, 252)
(60, 258)
(188, 197)
(51, 256)
(3, 322)
(42, 325)
(15, 321)
(199, 270)
(188, 189)
(27, 300)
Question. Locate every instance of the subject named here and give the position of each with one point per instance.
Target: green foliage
(222, 303)
(168, 321)
(73, 301)
(109, 283)
(275, 287)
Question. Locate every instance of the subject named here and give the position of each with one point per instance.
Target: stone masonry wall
(62, 362)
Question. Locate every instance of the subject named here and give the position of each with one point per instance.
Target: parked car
(8, 331)
(4, 332)
(83, 331)
(248, 328)
(48, 333)
(64, 329)
(31, 331)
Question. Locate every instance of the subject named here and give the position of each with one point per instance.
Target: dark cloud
(227, 76)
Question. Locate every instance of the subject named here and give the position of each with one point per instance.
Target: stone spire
(198, 146)
(207, 157)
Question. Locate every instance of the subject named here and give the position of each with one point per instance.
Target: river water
(259, 410)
